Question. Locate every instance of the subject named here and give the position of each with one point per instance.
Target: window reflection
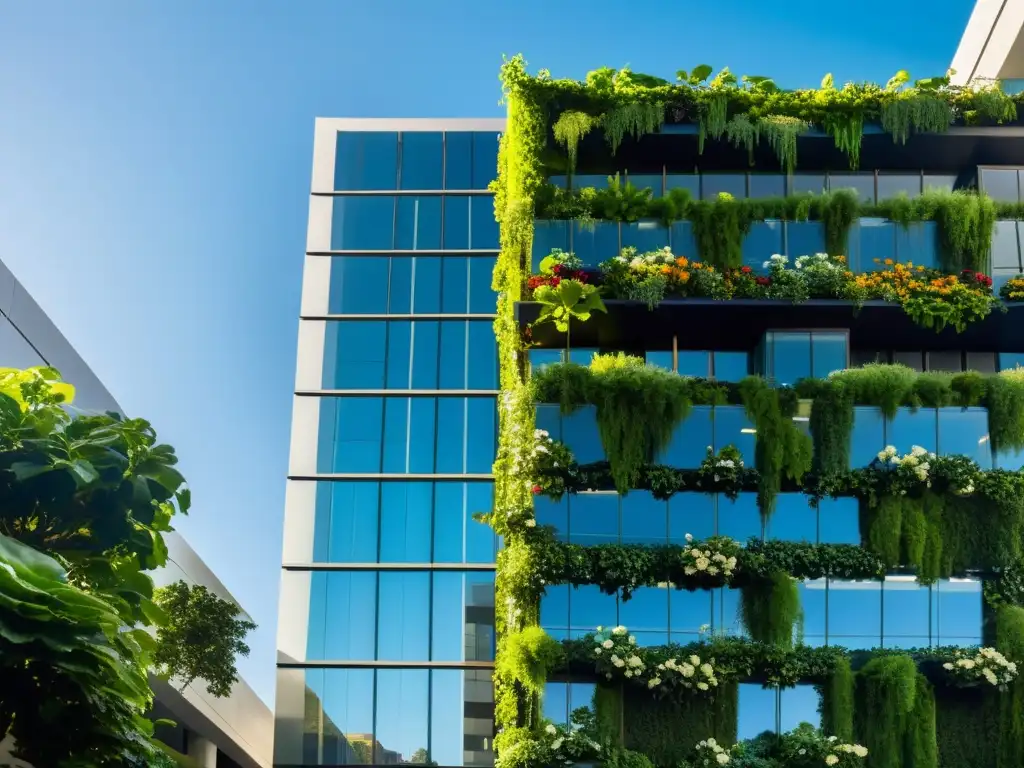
(814, 605)
(726, 613)
(854, 613)
(689, 613)
(365, 160)
(646, 615)
(405, 517)
(797, 705)
(462, 617)
(422, 160)
(354, 354)
(909, 428)
(1000, 184)
(402, 713)
(793, 519)
(594, 518)
(965, 431)
(403, 613)
(644, 518)
(342, 613)
(461, 718)
(363, 223)
(692, 513)
(554, 608)
(756, 711)
(346, 522)
(694, 363)
(590, 608)
(958, 611)
(906, 618)
(688, 446)
(839, 521)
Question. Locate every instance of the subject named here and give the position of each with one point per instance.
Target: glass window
(756, 710)
(483, 233)
(482, 434)
(1000, 184)
(767, 185)
(854, 614)
(797, 705)
(939, 181)
(402, 615)
(804, 237)
(1010, 360)
(456, 222)
(807, 182)
(732, 427)
(554, 607)
(402, 714)
(839, 520)
(595, 180)
(659, 359)
(422, 160)
(342, 614)
(793, 519)
(912, 360)
(692, 513)
(462, 617)
(688, 181)
(814, 607)
(350, 434)
(458, 160)
(763, 240)
(828, 353)
(485, 158)
(740, 519)
(482, 299)
(354, 354)
(363, 223)
(868, 435)
(982, 362)
(861, 183)
(548, 235)
(596, 243)
(581, 435)
(909, 428)
(416, 284)
(731, 366)
(894, 185)
(965, 431)
(461, 718)
(788, 356)
(726, 613)
(870, 239)
(905, 613)
(458, 537)
(645, 235)
(958, 612)
(418, 224)
(409, 434)
(553, 513)
(549, 418)
(594, 519)
(405, 517)
(682, 240)
(454, 285)
(651, 181)
(412, 354)
(366, 160)
(555, 702)
(346, 522)
(590, 608)
(916, 242)
(694, 363)
(946, 360)
(646, 615)
(712, 184)
(1005, 246)
(690, 440)
(336, 702)
(644, 519)
(861, 357)
(359, 285)
(689, 613)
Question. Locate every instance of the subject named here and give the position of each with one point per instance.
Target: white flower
(831, 759)
(917, 450)
(556, 744)
(860, 751)
(531, 523)
(654, 682)
(707, 670)
(704, 628)
(632, 639)
(636, 263)
(722, 758)
(687, 670)
(629, 673)
(695, 660)
(712, 570)
(689, 570)
(947, 665)
(702, 563)
(618, 662)
(689, 537)
(597, 651)
(619, 630)
(607, 644)
(634, 661)
(702, 686)
(550, 729)
(831, 738)
(966, 663)
(719, 557)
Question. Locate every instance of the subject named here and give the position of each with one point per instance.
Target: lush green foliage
(1010, 641)
(964, 220)
(770, 610)
(666, 729)
(202, 637)
(528, 656)
(886, 696)
(836, 701)
(69, 657)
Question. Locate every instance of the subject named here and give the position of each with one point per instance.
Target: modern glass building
(387, 621)
(387, 606)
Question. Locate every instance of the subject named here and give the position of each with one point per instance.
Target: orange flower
(888, 262)
(684, 276)
(682, 261)
(666, 270)
(841, 259)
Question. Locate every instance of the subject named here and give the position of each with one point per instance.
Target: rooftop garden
(932, 516)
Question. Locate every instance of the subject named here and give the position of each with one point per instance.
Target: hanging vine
(919, 111)
(570, 128)
(782, 133)
(636, 118)
(742, 133)
(847, 131)
(712, 116)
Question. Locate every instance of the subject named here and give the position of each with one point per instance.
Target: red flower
(557, 269)
(536, 490)
(764, 280)
(745, 270)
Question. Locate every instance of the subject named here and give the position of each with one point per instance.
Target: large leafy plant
(568, 300)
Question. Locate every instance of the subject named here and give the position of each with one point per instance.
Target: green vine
(923, 112)
(965, 222)
(712, 117)
(836, 701)
(771, 611)
(886, 696)
(846, 130)
(782, 132)
(742, 133)
(570, 128)
(635, 118)
(1010, 641)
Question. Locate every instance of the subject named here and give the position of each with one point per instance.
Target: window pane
(734, 184)
(556, 702)
(740, 519)
(905, 613)
(799, 704)
(793, 519)
(982, 362)
(402, 615)
(646, 611)
(731, 366)
(482, 356)
(690, 440)
(804, 237)
(1005, 246)
(461, 718)
(594, 519)
(595, 243)
(359, 285)
(346, 523)
(354, 354)
(870, 239)
(789, 356)
(757, 710)
(916, 242)
(580, 434)
(402, 713)
(659, 359)
(1000, 184)
(939, 181)
(958, 611)
(336, 702)
(913, 360)
(732, 427)
(405, 517)
(481, 435)
(422, 154)
(458, 160)
(409, 434)
(854, 614)
(482, 299)
(548, 235)
(828, 353)
(483, 233)
(813, 605)
(689, 613)
(839, 520)
(363, 223)
(692, 513)
(868, 435)
(554, 610)
(651, 181)
(645, 235)
(366, 160)
(909, 428)
(965, 431)
(463, 617)
(644, 519)
(455, 284)
(862, 183)
(763, 240)
(457, 536)
(950, 361)
(694, 363)
(342, 614)
(590, 608)
(485, 158)
(767, 185)
(808, 182)
(890, 186)
(418, 224)
(689, 181)
(456, 222)
(350, 434)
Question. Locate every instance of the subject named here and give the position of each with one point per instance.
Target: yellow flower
(920, 269)
(888, 262)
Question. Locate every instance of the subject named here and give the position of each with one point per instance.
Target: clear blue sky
(154, 173)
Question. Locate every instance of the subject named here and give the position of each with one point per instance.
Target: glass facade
(392, 600)
(388, 609)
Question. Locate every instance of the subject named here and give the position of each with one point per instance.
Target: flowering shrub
(1013, 289)
(549, 457)
(557, 266)
(932, 298)
(616, 653)
(709, 752)
(922, 469)
(569, 745)
(724, 469)
(807, 747)
(984, 666)
(715, 556)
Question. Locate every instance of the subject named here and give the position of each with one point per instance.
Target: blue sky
(154, 178)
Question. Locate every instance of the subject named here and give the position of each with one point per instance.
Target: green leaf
(153, 612)
(700, 73)
(827, 83)
(897, 80)
(547, 265)
(571, 291)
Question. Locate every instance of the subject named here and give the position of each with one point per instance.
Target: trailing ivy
(770, 610)
(924, 112)
(886, 696)
(527, 657)
(634, 118)
(1010, 642)
(831, 425)
(921, 749)
(781, 450)
(782, 132)
(836, 701)
(570, 128)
